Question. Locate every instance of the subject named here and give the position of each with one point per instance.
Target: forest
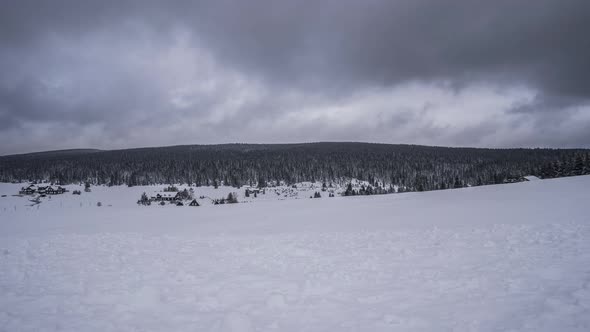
(409, 167)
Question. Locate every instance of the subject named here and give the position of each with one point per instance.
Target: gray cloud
(137, 73)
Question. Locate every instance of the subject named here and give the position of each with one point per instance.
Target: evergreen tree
(457, 183)
(144, 200)
(349, 191)
(578, 167)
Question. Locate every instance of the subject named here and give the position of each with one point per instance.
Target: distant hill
(412, 167)
(53, 153)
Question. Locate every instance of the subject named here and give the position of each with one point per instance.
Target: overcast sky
(117, 74)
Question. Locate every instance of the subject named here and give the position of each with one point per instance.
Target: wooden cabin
(27, 191)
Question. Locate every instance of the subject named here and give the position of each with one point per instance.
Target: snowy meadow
(511, 257)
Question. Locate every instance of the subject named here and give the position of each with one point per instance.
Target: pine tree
(578, 167)
(349, 191)
(458, 183)
(144, 200)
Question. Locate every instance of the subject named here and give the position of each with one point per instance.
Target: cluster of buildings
(173, 197)
(47, 190)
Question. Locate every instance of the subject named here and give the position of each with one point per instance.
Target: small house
(55, 191)
(27, 191)
(194, 203)
(179, 204)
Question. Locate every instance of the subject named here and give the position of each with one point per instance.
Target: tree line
(409, 167)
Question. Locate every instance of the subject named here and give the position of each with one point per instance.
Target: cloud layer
(115, 74)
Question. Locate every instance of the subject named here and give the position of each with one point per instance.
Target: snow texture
(496, 258)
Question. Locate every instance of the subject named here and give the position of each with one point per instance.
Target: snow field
(498, 258)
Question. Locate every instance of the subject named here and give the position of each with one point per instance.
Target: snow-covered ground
(497, 258)
(127, 197)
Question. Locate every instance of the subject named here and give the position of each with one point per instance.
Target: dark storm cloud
(228, 70)
(542, 42)
(379, 42)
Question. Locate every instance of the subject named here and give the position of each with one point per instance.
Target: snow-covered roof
(169, 194)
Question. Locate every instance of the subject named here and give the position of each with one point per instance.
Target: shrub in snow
(232, 198)
(99, 204)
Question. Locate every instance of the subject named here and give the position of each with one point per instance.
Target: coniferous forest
(411, 167)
